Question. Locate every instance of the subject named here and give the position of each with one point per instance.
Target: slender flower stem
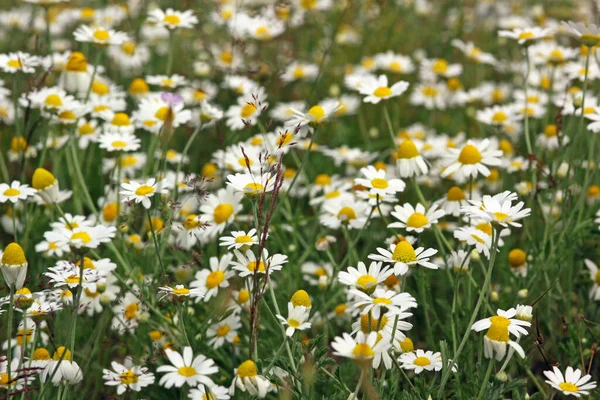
(482, 295)
(182, 322)
(525, 84)
(354, 395)
(162, 266)
(11, 307)
(184, 153)
(170, 56)
(287, 346)
(486, 379)
(14, 223)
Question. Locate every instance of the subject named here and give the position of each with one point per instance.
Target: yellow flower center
(517, 257)
(83, 236)
(164, 114)
(293, 323)
(298, 73)
(301, 298)
(499, 117)
(253, 188)
(222, 213)
(404, 252)
(364, 323)
(89, 293)
(248, 109)
(498, 331)
(223, 330)
(379, 183)
(243, 296)
(407, 150)
(363, 350)
(100, 88)
(525, 35)
(214, 279)
(128, 378)
(128, 48)
(502, 217)
(252, 266)
(346, 214)
(156, 335)
(172, 19)
(181, 291)
(76, 62)
(226, 57)
(15, 63)
(109, 213)
(382, 300)
(121, 119)
(383, 91)
(417, 220)
(86, 129)
(429, 91)
(119, 144)
(144, 190)
(101, 35)
(422, 361)
(131, 311)
(191, 222)
(395, 66)
(247, 369)
(41, 354)
(366, 282)
(58, 354)
(243, 239)
(323, 180)
(455, 194)
(11, 192)
(406, 345)
(138, 86)
(469, 155)
(440, 66)
(317, 113)
(245, 162)
(53, 100)
(568, 387)
(187, 371)
(597, 280)
(550, 131)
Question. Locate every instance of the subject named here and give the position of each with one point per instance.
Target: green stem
(525, 84)
(11, 307)
(162, 266)
(171, 51)
(486, 379)
(184, 153)
(354, 395)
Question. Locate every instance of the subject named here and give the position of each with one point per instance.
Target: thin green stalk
(9, 325)
(171, 51)
(525, 84)
(354, 395)
(482, 295)
(486, 379)
(184, 153)
(156, 246)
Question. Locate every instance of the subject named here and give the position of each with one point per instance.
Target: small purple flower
(171, 98)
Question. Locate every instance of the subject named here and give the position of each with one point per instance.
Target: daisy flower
(186, 369)
(296, 320)
(210, 280)
(62, 369)
(119, 142)
(167, 82)
(497, 116)
(220, 209)
(181, 292)
(396, 63)
(19, 62)
(595, 276)
(299, 71)
(361, 349)
(459, 260)
(15, 192)
(172, 19)
(246, 264)
(475, 237)
(142, 193)
(416, 218)
(404, 256)
(377, 184)
(363, 279)
(473, 52)
(127, 313)
(207, 392)
(499, 328)
(381, 299)
(317, 274)
(239, 240)
(250, 185)
(420, 361)
(127, 376)
(453, 201)
(526, 35)
(99, 35)
(571, 383)
(349, 213)
(472, 158)
(247, 379)
(498, 209)
(377, 89)
(83, 236)
(304, 122)
(588, 34)
(223, 331)
(409, 161)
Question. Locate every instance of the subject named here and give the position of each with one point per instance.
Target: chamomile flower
(395, 63)
(252, 185)
(82, 237)
(472, 159)
(119, 142)
(61, 369)
(377, 89)
(409, 160)
(459, 261)
(361, 349)
(453, 201)
(317, 274)
(180, 292)
(127, 376)
(300, 71)
(403, 256)
(475, 237)
(247, 265)
(186, 368)
(15, 192)
(220, 209)
(142, 192)
(420, 361)
(416, 219)
(224, 331)
(210, 280)
(571, 383)
(239, 239)
(587, 33)
(526, 35)
(305, 122)
(595, 276)
(247, 379)
(209, 392)
(127, 313)
(473, 52)
(363, 279)
(498, 116)
(14, 265)
(499, 328)
(348, 213)
(172, 19)
(388, 301)
(99, 35)
(297, 319)
(374, 179)
(19, 62)
(498, 209)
